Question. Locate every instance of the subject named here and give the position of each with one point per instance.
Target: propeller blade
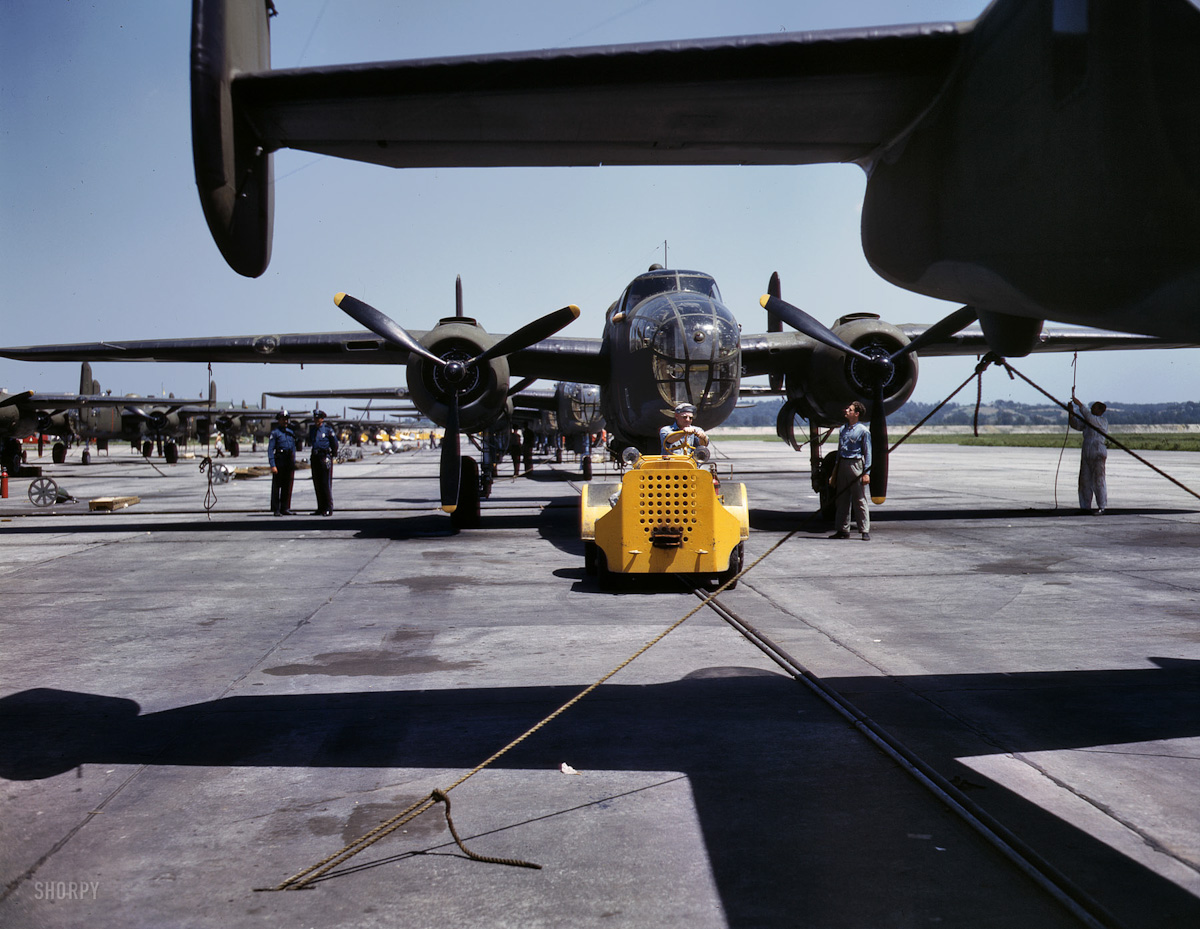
(528, 334)
(879, 448)
(774, 289)
(382, 325)
(775, 324)
(801, 321)
(451, 465)
(943, 328)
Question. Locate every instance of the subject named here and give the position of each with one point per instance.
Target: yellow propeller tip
(338, 298)
(762, 301)
(878, 501)
(574, 309)
(450, 508)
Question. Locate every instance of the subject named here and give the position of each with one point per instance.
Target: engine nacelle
(483, 397)
(833, 379)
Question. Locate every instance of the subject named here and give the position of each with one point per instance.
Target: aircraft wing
(345, 393)
(971, 341)
(41, 401)
(780, 352)
(789, 98)
(554, 358)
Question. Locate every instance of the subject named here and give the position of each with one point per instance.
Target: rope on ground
(1109, 438)
(303, 879)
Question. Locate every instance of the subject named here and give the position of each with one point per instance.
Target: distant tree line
(994, 413)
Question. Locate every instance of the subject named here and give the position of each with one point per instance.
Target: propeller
(879, 367)
(455, 373)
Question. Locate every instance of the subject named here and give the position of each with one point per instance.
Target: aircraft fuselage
(667, 340)
(1057, 176)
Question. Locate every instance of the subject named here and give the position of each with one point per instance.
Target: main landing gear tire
(171, 453)
(147, 449)
(466, 514)
(58, 454)
(827, 492)
(587, 467)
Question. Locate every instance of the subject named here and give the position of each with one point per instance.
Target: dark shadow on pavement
(800, 815)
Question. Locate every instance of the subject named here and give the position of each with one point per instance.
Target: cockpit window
(657, 282)
(700, 284)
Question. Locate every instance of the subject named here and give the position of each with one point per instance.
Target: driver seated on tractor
(682, 434)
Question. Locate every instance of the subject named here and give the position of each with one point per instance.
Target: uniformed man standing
(323, 441)
(852, 475)
(281, 456)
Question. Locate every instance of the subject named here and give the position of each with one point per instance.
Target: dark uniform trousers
(322, 478)
(281, 481)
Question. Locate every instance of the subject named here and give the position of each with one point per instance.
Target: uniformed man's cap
(319, 414)
(685, 408)
(282, 414)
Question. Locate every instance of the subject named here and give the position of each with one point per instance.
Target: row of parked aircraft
(91, 418)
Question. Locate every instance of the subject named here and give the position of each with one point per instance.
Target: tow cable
(303, 879)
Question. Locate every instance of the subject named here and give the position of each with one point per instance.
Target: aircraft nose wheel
(43, 492)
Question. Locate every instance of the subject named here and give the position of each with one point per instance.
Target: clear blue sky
(103, 237)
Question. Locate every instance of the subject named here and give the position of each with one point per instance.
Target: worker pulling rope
(993, 359)
(1107, 436)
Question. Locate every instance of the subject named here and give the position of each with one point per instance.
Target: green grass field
(1171, 442)
(1166, 442)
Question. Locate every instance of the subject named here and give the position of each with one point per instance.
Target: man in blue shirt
(682, 434)
(281, 456)
(324, 444)
(852, 474)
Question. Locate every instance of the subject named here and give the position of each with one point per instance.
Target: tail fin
(85, 379)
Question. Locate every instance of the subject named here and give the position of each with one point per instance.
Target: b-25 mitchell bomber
(667, 339)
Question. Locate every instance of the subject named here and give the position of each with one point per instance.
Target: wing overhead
(791, 98)
(297, 348)
(1055, 339)
(550, 358)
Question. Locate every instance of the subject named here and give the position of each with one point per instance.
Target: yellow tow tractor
(668, 515)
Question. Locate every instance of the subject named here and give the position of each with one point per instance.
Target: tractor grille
(667, 506)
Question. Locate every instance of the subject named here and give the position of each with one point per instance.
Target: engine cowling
(833, 379)
(482, 398)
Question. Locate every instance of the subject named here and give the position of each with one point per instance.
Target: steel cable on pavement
(303, 879)
(1049, 878)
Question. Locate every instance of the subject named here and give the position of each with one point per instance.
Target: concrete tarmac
(198, 704)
